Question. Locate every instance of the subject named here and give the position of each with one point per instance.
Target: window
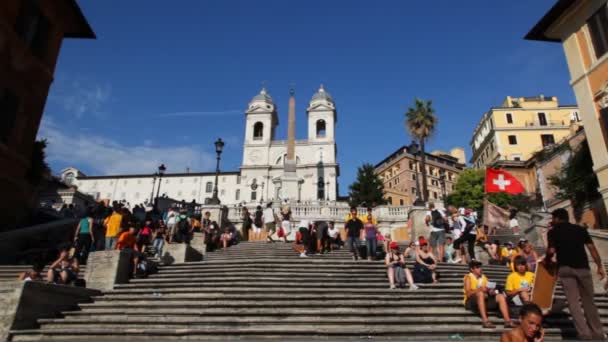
(512, 140)
(575, 117)
(604, 119)
(435, 195)
(401, 202)
(547, 139)
(390, 200)
(320, 188)
(9, 105)
(237, 195)
(516, 157)
(413, 191)
(33, 27)
(321, 129)
(254, 195)
(542, 119)
(209, 187)
(238, 179)
(413, 176)
(258, 131)
(598, 30)
(411, 165)
(509, 118)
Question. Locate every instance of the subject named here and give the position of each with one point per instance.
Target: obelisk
(289, 179)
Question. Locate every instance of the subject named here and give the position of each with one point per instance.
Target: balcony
(549, 123)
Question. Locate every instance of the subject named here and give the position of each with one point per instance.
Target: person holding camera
(480, 296)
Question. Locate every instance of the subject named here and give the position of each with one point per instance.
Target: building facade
(258, 179)
(519, 127)
(582, 28)
(31, 33)
(401, 170)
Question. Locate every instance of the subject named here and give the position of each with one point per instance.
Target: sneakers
(414, 287)
(303, 255)
(393, 287)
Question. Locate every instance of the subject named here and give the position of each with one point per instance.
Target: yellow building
(520, 127)
(401, 170)
(582, 27)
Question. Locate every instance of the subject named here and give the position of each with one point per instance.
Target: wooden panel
(543, 290)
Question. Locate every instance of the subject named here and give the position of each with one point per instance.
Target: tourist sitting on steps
(449, 250)
(396, 270)
(494, 252)
(64, 270)
(506, 253)
(519, 282)
(226, 238)
(481, 296)
(530, 326)
(334, 236)
(34, 274)
(528, 253)
(128, 242)
(411, 250)
(425, 266)
(306, 239)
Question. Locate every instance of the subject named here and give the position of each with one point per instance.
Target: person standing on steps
(354, 229)
(112, 224)
(371, 239)
(270, 220)
(304, 230)
(437, 221)
(567, 242)
(286, 222)
(84, 237)
(258, 223)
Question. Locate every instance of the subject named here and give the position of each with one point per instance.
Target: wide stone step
(301, 330)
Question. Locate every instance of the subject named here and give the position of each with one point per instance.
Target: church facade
(265, 166)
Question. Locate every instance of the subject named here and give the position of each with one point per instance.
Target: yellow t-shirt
(475, 283)
(516, 281)
(365, 219)
(113, 224)
(506, 253)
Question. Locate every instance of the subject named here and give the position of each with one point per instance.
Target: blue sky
(162, 82)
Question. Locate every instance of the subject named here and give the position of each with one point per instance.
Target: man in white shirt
(436, 220)
(268, 218)
(334, 235)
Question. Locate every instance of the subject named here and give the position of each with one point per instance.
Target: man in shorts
(269, 221)
(435, 219)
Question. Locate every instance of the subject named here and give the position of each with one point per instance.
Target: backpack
(437, 219)
(183, 225)
(468, 226)
(258, 218)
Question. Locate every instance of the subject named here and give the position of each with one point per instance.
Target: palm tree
(420, 122)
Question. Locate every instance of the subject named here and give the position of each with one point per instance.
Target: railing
(536, 123)
(320, 211)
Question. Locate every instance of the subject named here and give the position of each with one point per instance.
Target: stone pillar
(106, 268)
(180, 252)
(418, 227)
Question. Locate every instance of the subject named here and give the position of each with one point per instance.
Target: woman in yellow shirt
(519, 283)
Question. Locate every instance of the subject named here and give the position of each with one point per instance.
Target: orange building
(31, 33)
(582, 27)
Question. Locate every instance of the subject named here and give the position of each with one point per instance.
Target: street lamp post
(219, 146)
(413, 149)
(327, 191)
(442, 181)
(153, 185)
(161, 172)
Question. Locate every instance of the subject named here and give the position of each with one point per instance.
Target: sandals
(488, 325)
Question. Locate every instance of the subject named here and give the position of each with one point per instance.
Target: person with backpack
(437, 221)
(184, 229)
(468, 233)
(258, 223)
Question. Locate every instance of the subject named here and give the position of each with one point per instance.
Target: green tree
(368, 188)
(469, 192)
(420, 122)
(576, 180)
(38, 166)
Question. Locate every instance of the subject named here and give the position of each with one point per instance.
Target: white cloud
(104, 156)
(79, 98)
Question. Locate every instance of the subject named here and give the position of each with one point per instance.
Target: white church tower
(260, 127)
(321, 117)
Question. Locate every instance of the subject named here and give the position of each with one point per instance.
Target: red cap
(468, 211)
(422, 241)
(393, 245)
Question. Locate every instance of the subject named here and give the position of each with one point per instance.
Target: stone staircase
(12, 272)
(259, 291)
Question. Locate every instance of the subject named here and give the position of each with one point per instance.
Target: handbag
(281, 232)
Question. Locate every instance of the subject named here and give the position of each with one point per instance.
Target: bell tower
(321, 117)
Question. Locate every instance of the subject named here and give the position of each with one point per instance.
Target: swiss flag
(502, 181)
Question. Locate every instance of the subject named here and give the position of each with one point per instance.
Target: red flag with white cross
(502, 181)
